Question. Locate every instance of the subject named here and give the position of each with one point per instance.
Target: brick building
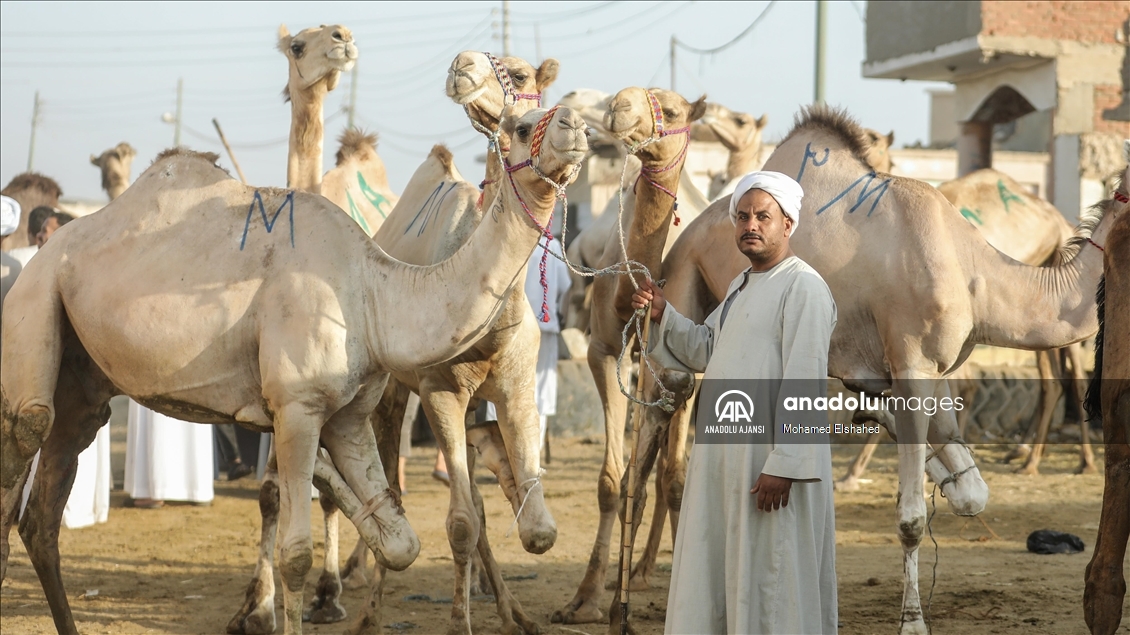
(1061, 66)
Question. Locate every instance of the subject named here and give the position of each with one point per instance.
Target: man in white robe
(755, 551)
(167, 459)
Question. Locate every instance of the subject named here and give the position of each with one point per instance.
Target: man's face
(49, 227)
(762, 228)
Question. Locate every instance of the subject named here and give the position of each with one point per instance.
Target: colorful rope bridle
(533, 162)
(504, 80)
(659, 130)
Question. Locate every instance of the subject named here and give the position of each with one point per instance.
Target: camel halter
(1121, 198)
(503, 76)
(658, 131)
(559, 193)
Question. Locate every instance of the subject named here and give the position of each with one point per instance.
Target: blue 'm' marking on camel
(433, 204)
(268, 223)
(809, 154)
(864, 194)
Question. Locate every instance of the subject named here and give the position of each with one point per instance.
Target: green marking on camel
(355, 214)
(375, 198)
(1006, 195)
(972, 215)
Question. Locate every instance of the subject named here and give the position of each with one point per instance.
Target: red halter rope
(659, 131)
(535, 152)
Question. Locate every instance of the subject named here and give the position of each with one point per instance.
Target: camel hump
(356, 143)
(443, 155)
(34, 181)
(210, 157)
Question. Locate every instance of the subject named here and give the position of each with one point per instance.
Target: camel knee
(269, 500)
(462, 533)
(23, 434)
(295, 561)
(608, 493)
(911, 531)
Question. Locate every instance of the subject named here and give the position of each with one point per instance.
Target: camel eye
(523, 132)
(519, 78)
(668, 113)
(297, 48)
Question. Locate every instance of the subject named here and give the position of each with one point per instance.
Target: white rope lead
(537, 483)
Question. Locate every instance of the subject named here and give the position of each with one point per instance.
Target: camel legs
(850, 481)
(1078, 384)
(1105, 589)
(75, 427)
(584, 605)
(257, 615)
(1050, 392)
(325, 607)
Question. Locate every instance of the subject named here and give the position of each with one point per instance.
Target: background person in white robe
(755, 551)
(557, 282)
(167, 459)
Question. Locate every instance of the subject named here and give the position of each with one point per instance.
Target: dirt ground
(182, 569)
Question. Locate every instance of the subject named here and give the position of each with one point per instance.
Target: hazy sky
(107, 71)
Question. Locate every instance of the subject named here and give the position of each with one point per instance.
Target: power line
(719, 49)
(607, 27)
(132, 63)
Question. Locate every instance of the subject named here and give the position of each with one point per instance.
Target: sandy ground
(182, 569)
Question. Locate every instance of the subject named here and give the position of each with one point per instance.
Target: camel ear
(891, 139)
(94, 161)
(698, 109)
(547, 74)
(763, 121)
(332, 79)
(284, 39)
(127, 151)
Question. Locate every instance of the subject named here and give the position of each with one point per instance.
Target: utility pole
(673, 42)
(821, 40)
(180, 103)
(537, 42)
(352, 95)
(34, 124)
(506, 28)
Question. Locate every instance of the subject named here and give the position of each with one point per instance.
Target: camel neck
(455, 302)
(307, 134)
(743, 161)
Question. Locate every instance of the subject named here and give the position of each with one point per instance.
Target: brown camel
(915, 293)
(115, 167)
(30, 190)
(630, 119)
(1108, 398)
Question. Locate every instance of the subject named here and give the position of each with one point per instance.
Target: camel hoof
(846, 484)
(356, 579)
(261, 621)
(915, 627)
(1019, 453)
(1087, 468)
(585, 613)
(1027, 471)
(326, 614)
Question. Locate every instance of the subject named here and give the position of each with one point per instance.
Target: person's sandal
(238, 471)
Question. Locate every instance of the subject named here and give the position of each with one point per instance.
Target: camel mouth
(461, 95)
(346, 52)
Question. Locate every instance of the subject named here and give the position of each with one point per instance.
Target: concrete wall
(900, 28)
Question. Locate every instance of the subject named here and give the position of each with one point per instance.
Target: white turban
(782, 188)
(9, 215)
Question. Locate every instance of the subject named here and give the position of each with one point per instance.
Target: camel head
(631, 118)
(115, 166)
(555, 142)
(485, 84)
(736, 130)
(879, 151)
(317, 53)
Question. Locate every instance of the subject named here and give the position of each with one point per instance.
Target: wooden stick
(626, 529)
(231, 154)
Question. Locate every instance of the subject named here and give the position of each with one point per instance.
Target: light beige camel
(317, 57)
(30, 189)
(915, 293)
(661, 148)
(1031, 231)
(878, 154)
(358, 182)
(1108, 398)
(300, 289)
(115, 167)
(740, 133)
(436, 216)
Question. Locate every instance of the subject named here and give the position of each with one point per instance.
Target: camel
(656, 123)
(30, 189)
(358, 183)
(115, 166)
(1108, 398)
(740, 133)
(896, 331)
(499, 365)
(1032, 231)
(178, 338)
